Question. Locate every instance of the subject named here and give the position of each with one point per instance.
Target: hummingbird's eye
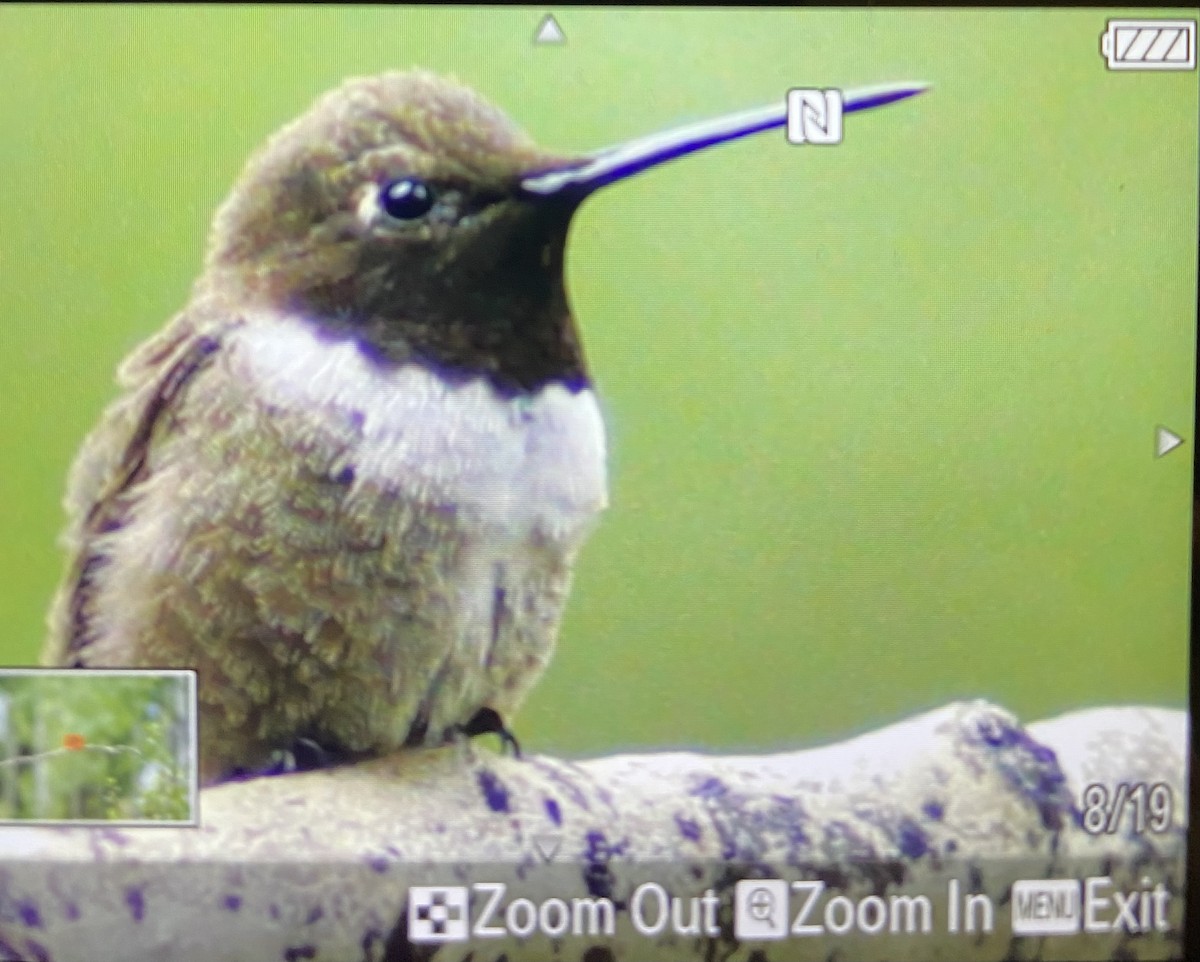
(406, 199)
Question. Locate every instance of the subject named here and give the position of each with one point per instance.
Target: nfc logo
(814, 116)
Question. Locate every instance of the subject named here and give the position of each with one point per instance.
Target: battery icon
(1149, 44)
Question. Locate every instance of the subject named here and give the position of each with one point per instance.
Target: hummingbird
(348, 482)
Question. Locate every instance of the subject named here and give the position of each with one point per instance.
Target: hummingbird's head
(392, 212)
(407, 213)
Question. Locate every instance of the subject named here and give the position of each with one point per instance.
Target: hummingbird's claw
(487, 721)
(308, 755)
(304, 755)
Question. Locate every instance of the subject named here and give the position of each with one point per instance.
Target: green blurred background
(881, 416)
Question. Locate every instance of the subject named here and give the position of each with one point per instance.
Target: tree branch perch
(318, 865)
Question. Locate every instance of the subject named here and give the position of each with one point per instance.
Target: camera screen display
(603, 483)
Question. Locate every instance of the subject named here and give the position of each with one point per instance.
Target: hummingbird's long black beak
(624, 160)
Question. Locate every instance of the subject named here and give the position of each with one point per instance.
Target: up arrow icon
(549, 31)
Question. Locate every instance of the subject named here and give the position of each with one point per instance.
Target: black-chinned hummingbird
(349, 481)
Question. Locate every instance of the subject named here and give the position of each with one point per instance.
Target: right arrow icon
(1165, 441)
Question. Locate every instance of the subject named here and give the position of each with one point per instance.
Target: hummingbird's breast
(533, 460)
(419, 532)
(347, 549)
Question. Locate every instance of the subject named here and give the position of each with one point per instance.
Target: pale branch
(955, 802)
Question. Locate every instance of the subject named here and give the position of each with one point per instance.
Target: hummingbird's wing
(113, 458)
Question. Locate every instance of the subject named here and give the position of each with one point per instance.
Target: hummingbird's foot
(308, 755)
(304, 755)
(487, 721)
(279, 762)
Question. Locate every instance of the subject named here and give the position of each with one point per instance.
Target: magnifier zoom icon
(762, 906)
